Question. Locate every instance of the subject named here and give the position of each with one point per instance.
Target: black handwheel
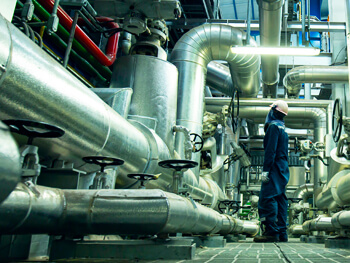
(337, 120)
(196, 139)
(296, 145)
(34, 129)
(143, 177)
(177, 165)
(230, 204)
(103, 161)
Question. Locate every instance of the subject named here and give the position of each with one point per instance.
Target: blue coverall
(272, 200)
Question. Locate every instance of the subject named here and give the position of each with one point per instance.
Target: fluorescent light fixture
(278, 51)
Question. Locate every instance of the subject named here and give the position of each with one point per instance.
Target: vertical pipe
(303, 20)
(308, 18)
(249, 11)
(71, 38)
(348, 46)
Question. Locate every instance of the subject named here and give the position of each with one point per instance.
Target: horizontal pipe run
(314, 74)
(297, 230)
(79, 212)
(319, 224)
(267, 102)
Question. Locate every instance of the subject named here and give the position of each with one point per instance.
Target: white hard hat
(281, 106)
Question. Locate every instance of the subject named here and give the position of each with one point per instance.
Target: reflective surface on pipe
(191, 55)
(10, 167)
(104, 212)
(38, 88)
(313, 74)
(319, 224)
(270, 19)
(341, 219)
(304, 192)
(297, 230)
(154, 85)
(219, 78)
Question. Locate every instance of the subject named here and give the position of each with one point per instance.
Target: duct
(81, 212)
(270, 13)
(191, 55)
(297, 230)
(36, 87)
(10, 168)
(318, 224)
(304, 192)
(313, 74)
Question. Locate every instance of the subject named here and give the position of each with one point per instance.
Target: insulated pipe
(319, 224)
(34, 86)
(313, 74)
(304, 191)
(191, 55)
(219, 78)
(112, 45)
(270, 13)
(341, 219)
(81, 212)
(297, 230)
(10, 168)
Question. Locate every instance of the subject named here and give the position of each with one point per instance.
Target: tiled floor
(249, 252)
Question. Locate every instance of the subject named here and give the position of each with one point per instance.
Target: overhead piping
(112, 46)
(313, 74)
(191, 55)
(270, 13)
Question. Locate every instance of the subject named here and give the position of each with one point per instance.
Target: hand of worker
(265, 177)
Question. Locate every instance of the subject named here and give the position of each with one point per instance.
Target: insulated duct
(320, 223)
(270, 13)
(10, 168)
(191, 55)
(304, 192)
(313, 74)
(219, 78)
(82, 212)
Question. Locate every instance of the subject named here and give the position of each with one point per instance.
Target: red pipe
(112, 44)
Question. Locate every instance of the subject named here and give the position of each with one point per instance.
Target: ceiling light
(280, 51)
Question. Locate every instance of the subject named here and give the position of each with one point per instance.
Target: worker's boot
(266, 237)
(283, 237)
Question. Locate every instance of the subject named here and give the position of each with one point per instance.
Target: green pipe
(64, 34)
(83, 64)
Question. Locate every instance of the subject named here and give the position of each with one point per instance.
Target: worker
(275, 176)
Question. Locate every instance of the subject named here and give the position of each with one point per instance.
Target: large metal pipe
(313, 74)
(10, 168)
(304, 192)
(297, 230)
(341, 219)
(36, 87)
(219, 78)
(318, 224)
(109, 212)
(270, 13)
(191, 55)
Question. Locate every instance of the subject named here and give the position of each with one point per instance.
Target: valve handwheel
(34, 129)
(177, 165)
(197, 142)
(143, 177)
(337, 120)
(103, 161)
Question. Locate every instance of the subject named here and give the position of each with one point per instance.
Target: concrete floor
(249, 252)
